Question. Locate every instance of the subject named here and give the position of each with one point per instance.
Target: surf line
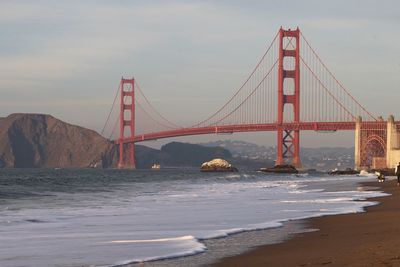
(187, 237)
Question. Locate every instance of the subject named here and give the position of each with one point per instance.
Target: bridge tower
(127, 120)
(288, 140)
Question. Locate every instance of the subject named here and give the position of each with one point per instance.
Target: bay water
(91, 217)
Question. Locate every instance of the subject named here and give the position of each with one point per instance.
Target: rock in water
(281, 169)
(217, 165)
(348, 171)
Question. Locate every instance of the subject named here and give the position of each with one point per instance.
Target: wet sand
(362, 239)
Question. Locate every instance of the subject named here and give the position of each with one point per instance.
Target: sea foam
(163, 215)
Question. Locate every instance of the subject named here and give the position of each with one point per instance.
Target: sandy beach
(362, 239)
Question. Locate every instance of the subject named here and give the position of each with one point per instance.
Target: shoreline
(240, 243)
(369, 238)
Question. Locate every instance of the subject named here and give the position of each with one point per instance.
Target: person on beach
(397, 172)
(381, 177)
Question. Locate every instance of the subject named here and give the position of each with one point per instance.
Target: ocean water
(115, 217)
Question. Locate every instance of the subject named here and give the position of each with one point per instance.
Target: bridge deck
(303, 126)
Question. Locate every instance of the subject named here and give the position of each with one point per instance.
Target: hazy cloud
(185, 54)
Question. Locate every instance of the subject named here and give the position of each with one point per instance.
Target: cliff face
(36, 140)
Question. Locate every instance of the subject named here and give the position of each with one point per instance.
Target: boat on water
(156, 166)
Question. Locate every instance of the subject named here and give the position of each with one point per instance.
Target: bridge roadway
(303, 126)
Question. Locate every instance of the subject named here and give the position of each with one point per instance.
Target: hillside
(183, 154)
(37, 140)
(322, 158)
(42, 141)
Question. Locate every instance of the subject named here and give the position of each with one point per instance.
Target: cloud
(65, 58)
(186, 54)
(335, 23)
(24, 11)
(80, 38)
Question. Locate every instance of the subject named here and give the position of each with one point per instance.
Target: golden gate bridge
(289, 90)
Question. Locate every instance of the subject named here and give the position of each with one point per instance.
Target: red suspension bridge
(289, 90)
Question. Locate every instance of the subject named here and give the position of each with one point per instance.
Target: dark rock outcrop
(281, 169)
(385, 171)
(347, 171)
(37, 140)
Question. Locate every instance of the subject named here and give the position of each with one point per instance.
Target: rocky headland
(42, 141)
(38, 140)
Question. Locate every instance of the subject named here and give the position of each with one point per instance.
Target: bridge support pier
(376, 145)
(127, 120)
(392, 144)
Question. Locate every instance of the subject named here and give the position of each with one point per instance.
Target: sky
(66, 58)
